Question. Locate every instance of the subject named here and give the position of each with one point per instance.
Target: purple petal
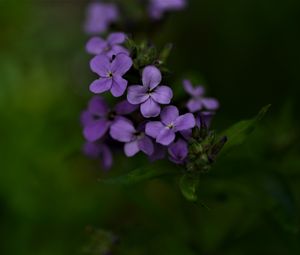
(184, 122)
(116, 38)
(99, 17)
(151, 77)
(131, 148)
(118, 86)
(98, 106)
(95, 130)
(158, 153)
(146, 145)
(210, 104)
(194, 104)
(153, 128)
(169, 114)
(137, 94)
(101, 85)
(162, 94)
(194, 92)
(96, 45)
(107, 158)
(121, 64)
(205, 117)
(85, 118)
(150, 108)
(187, 134)
(111, 12)
(178, 151)
(96, 21)
(91, 150)
(124, 107)
(166, 136)
(101, 65)
(122, 130)
(117, 49)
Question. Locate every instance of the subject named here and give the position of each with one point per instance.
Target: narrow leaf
(142, 174)
(240, 131)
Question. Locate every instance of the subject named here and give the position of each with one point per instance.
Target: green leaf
(188, 187)
(142, 174)
(240, 131)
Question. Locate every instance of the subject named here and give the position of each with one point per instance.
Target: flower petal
(137, 94)
(153, 128)
(131, 148)
(150, 108)
(96, 45)
(116, 38)
(166, 136)
(162, 94)
(107, 158)
(194, 104)
(151, 77)
(169, 114)
(85, 118)
(121, 64)
(101, 65)
(146, 145)
(95, 130)
(178, 151)
(101, 85)
(184, 122)
(91, 150)
(98, 106)
(204, 118)
(117, 49)
(210, 104)
(124, 107)
(118, 86)
(194, 92)
(122, 130)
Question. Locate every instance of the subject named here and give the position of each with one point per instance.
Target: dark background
(246, 53)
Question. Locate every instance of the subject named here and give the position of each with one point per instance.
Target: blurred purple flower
(99, 150)
(171, 122)
(124, 131)
(158, 7)
(178, 151)
(158, 153)
(150, 94)
(110, 73)
(98, 118)
(99, 16)
(198, 101)
(110, 47)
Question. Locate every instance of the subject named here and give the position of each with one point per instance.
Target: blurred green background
(246, 52)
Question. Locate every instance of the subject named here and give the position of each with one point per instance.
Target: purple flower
(150, 95)
(99, 150)
(124, 131)
(178, 151)
(99, 17)
(171, 122)
(158, 7)
(198, 101)
(110, 73)
(110, 47)
(98, 118)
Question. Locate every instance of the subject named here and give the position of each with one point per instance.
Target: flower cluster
(145, 118)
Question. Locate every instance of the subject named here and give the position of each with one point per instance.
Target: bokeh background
(51, 202)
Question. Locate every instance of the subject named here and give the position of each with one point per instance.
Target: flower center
(110, 74)
(170, 126)
(111, 115)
